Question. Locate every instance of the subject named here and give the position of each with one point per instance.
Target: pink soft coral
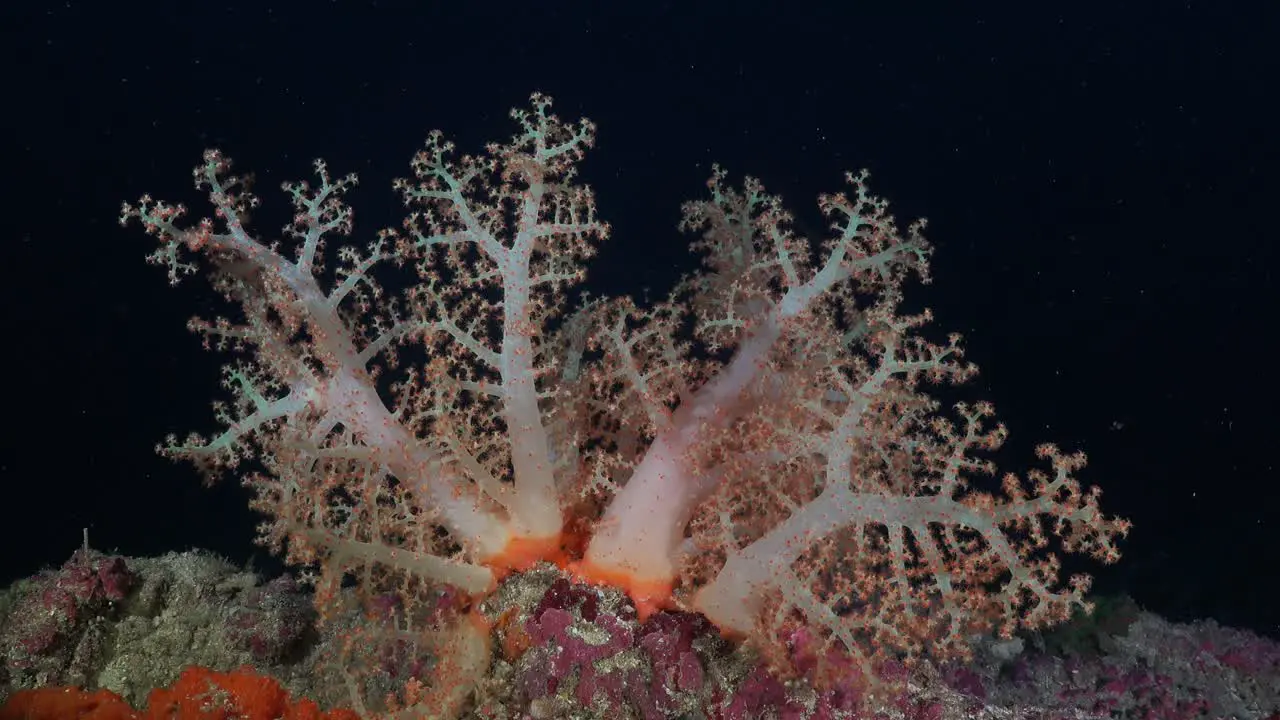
(756, 447)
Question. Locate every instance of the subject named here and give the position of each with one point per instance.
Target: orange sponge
(198, 694)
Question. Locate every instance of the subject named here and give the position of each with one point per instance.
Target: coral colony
(753, 458)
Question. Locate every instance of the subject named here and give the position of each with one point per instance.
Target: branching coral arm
(525, 238)
(751, 249)
(307, 364)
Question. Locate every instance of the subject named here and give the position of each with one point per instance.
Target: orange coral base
(649, 596)
(566, 552)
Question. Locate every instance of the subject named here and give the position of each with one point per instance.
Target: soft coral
(757, 441)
